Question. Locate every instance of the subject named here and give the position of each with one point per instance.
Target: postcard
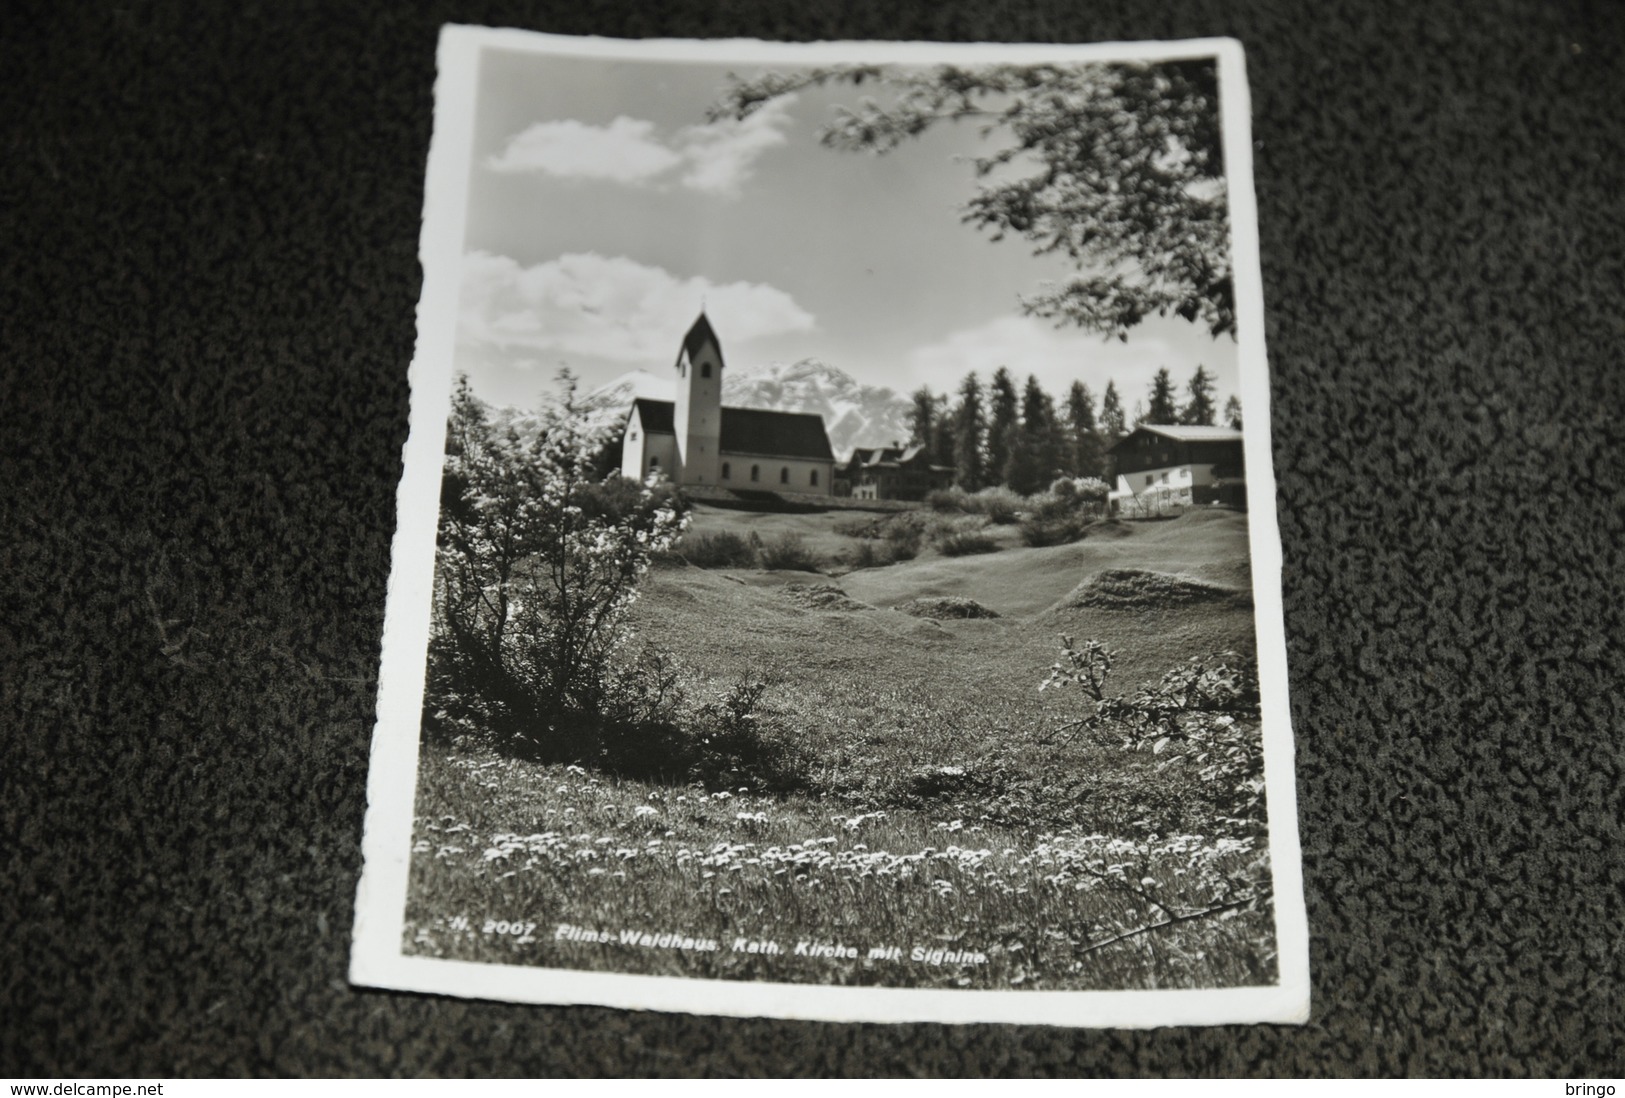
(837, 573)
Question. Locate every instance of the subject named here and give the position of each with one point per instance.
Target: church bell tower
(698, 409)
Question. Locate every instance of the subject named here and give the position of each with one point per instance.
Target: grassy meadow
(943, 835)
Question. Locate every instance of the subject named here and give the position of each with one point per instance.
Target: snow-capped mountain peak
(854, 414)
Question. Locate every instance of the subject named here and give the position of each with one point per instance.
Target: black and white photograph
(837, 571)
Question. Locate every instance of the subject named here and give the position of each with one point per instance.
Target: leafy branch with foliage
(1201, 722)
(1203, 717)
(1119, 167)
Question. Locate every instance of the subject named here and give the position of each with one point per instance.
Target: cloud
(624, 151)
(717, 158)
(721, 156)
(609, 308)
(1060, 356)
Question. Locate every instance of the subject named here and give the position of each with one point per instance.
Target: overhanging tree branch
(1120, 167)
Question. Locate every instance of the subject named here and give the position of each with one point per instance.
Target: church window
(705, 369)
(755, 472)
(725, 470)
(634, 436)
(784, 475)
(1150, 479)
(814, 480)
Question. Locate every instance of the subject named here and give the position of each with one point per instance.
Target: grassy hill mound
(853, 675)
(822, 596)
(1138, 589)
(1023, 582)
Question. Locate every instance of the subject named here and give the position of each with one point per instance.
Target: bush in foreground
(788, 553)
(869, 554)
(1001, 505)
(723, 549)
(537, 563)
(904, 536)
(966, 542)
(998, 503)
(1039, 532)
(865, 527)
(658, 722)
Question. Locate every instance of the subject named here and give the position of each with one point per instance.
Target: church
(695, 441)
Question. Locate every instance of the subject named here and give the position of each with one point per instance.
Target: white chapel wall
(772, 475)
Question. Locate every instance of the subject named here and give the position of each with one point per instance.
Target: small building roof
(887, 455)
(892, 458)
(875, 455)
(657, 416)
(1183, 433)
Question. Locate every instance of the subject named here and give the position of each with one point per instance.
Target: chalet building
(891, 472)
(694, 440)
(1162, 468)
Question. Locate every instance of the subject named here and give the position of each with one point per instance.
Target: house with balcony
(1163, 468)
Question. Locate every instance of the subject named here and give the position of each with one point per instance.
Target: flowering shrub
(1202, 717)
(1080, 490)
(537, 563)
(1201, 724)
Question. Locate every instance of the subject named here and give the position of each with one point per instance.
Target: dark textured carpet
(208, 231)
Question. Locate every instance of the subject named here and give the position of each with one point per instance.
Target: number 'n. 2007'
(503, 926)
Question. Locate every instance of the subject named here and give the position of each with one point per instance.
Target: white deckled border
(377, 959)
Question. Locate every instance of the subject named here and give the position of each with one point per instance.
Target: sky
(604, 212)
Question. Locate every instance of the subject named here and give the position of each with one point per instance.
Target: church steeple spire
(698, 408)
(699, 334)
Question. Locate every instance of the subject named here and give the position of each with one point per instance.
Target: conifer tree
(1199, 408)
(1232, 413)
(1021, 469)
(942, 434)
(1112, 424)
(1002, 422)
(970, 427)
(1032, 456)
(1042, 426)
(922, 418)
(1161, 408)
(1084, 436)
